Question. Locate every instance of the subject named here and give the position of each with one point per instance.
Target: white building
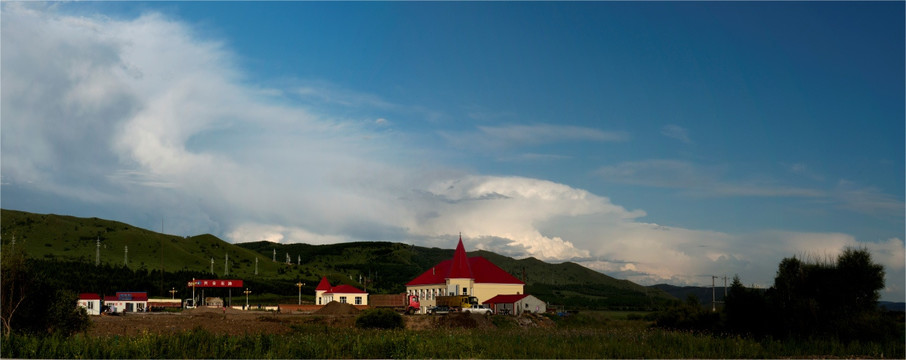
(127, 302)
(516, 304)
(344, 294)
(91, 303)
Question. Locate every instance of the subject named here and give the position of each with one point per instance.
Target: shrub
(379, 319)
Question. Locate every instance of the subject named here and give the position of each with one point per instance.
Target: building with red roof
(463, 275)
(345, 294)
(127, 301)
(90, 302)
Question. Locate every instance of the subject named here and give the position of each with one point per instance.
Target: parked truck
(479, 309)
(457, 302)
(400, 302)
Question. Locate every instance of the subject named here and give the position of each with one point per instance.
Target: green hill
(379, 267)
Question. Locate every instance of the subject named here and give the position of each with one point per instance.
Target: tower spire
(460, 267)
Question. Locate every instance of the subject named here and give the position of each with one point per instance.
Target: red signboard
(215, 283)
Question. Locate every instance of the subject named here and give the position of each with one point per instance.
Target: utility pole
(97, 256)
(173, 293)
(300, 285)
(275, 255)
(212, 265)
(162, 256)
(126, 256)
(299, 260)
(256, 265)
(713, 304)
(226, 264)
(247, 292)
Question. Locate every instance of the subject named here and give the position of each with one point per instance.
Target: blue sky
(657, 142)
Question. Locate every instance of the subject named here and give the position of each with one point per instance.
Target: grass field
(595, 335)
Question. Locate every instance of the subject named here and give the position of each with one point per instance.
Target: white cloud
(868, 200)
(695, 179)
(507, 136)
(676, 132)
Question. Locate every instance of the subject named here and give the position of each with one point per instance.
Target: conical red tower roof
(460, 268)
(323, 285)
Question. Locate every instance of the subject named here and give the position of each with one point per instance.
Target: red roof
(481, 270)
(460, 268)
(323, 285)
(132, 295)
(505, 299)
(344, 289)
(89, 296)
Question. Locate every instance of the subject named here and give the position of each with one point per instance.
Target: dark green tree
(379, 319)
(838, 299)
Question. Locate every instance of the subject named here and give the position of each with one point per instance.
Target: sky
(655, 142)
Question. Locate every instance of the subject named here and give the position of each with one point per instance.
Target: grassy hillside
(72, 238)
(380, 267)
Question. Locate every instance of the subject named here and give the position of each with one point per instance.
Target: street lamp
(300, 285)
(173, 293)
(247, 292)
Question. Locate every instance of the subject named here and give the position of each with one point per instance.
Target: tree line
(830, 299)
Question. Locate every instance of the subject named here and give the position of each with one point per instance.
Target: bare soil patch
(335, 308)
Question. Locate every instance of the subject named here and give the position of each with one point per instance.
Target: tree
(33, 304)
(745, 309)
(838, 298)
(14, 286)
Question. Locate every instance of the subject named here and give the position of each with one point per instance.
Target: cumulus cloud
(144, 117)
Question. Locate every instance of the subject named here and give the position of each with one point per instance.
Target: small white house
(345, 294)
(516, 304)
(91, 303)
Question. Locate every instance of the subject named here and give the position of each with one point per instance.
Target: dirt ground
(238, 322)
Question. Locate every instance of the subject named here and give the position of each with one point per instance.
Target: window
(342, 299)
(358, 300)
(91, 304)
(465, 291)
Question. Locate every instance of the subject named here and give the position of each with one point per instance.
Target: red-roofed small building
(345, 294)
(129, 301)
(515, 304)
(91, 303)
(463, 275)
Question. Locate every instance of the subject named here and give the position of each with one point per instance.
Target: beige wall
(350, 298)
(428, 293)
(530, 304)
(465, 286)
